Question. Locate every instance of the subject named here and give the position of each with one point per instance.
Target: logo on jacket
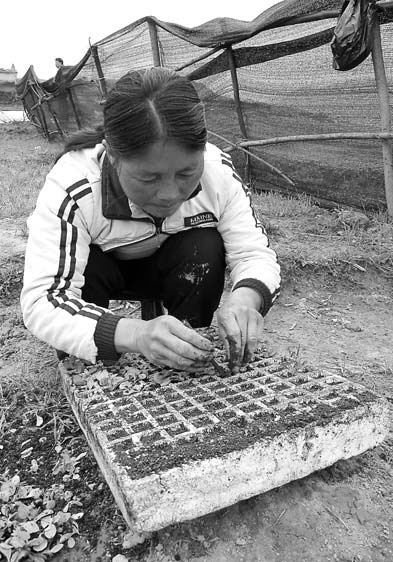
(200, 218)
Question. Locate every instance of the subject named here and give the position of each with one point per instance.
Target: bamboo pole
(236, 94)
(101, 77)
(154, 42)
(198, 59)
(386, 125)
(55, 119)
(78, 122)
(238, 107)
(42, 119)
(320, 137)
(269, 166)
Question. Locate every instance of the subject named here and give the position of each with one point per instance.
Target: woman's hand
(240, 325)
(164, 341)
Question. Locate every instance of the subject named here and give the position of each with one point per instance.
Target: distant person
(145, 206)
(59, 63)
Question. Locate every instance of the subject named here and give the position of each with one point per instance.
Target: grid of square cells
(178, 410)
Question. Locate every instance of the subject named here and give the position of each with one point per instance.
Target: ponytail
(86, 138)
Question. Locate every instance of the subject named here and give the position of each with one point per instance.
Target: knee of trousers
(102, 271)
(198, 245)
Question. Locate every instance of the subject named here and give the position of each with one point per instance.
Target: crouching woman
(145, 208)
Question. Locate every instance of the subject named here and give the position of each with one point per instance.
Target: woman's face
(161, 178)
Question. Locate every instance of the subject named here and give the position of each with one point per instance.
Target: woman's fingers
(169, 342)
(240, 328)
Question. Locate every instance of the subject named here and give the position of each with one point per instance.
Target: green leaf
(46, 521)
(50, 531)
(77, 516)
(42, 545)
(19, 538)
(30, 527)
(61, 517)
(65, 537)
(56, 548)
(50, 504)
(23, 511)
(5, 549)
(71, 542)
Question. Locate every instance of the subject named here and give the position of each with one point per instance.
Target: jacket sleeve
(56, 256)
(251, 262)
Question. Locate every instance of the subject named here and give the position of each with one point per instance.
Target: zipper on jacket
(158, 223)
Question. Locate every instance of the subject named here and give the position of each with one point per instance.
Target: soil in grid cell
(216, 405)
(142, 426)
(225, 415)
(166, 420)
(159, 411)
(117, 434)
(125, 402)
(133, 418)
(151, 438)
(183, 404)
(227, 391)
(279, 387)
(191, 413)
(235, 400)
(176, 429)
(252, 407)
(202, 421)
(258, 393)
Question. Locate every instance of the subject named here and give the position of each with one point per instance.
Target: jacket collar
(115, 203)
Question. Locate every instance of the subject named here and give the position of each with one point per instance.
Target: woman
(146, 207)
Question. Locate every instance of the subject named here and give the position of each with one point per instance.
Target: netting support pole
(386, 125)
(154, 43)
(43, 121)
(78, 122)
(101, 77)
(238, 107)
(55, 119)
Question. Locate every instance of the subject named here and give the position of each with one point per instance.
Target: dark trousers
(186, 273)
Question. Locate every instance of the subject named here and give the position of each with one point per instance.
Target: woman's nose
(168, 191)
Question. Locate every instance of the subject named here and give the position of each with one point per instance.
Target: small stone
(362, 515)
(353, 218)
(78, 380)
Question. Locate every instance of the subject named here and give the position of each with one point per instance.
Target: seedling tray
(174, 446)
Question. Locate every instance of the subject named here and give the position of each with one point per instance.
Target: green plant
(31, 528)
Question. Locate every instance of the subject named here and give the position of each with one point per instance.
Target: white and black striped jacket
(81, 203)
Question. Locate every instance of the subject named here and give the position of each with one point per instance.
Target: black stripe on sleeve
(65, 223)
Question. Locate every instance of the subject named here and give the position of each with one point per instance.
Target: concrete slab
(191, 445)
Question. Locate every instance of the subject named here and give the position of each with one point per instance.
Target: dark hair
(59, 59)
(145, 107)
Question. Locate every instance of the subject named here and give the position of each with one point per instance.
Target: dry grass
(25, 158)
(307, 236)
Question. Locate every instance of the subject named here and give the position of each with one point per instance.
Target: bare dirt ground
(334, 313)
(339, 321)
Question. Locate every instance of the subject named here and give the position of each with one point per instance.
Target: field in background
(334, 314)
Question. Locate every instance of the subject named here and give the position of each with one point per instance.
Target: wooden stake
(236, 94)
(78, 122)
(386, 126)
(101, 77)
(154, 42)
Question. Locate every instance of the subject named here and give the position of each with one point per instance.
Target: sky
(34, 33)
